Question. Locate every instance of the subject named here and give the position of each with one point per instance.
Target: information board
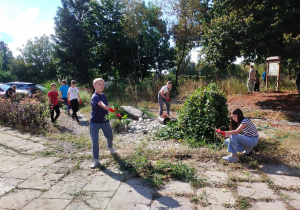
(273, 68)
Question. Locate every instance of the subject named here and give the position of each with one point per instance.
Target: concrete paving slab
(99, 200)
(47, 204)
(176, 188)
(279, 169)
(80, 175)
(64, 190)
(216, 196)
(256, 191)
(103, 183)
(18, 199)
(6, 184)
(177, 202)
(23, 172)
(22, 158)
(216, 176)
(285, 181)
(274, 205)
(132, 194)
(43, 161)
(8, 165)
(293, 198)
(4, 157)
(78, 205)
(41, 181)
(61, 167)
(244, 175)
(213, 207)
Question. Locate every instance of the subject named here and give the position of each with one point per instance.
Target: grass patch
(242, 203)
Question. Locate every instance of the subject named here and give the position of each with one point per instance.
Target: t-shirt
(98, 113)
(64, 91)
(264, 76)
(252, 73)
(10, 91)
(53, 97)
(73, 93)
(257, 77)
(164, 89)
(250, 129)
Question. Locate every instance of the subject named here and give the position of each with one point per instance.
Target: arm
(68, 96)
(60, 94)
(78, 97)
(101, 104)
(162, 94)
(237, 131)
(49, 100)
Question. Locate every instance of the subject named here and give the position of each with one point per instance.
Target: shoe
(248, 150)
(96, 164)
(230, 159)
(112, 150)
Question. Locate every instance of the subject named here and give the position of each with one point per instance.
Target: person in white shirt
(163, 96)
(251, 79)
(73, 99)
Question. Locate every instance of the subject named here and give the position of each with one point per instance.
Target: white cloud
(22, 26)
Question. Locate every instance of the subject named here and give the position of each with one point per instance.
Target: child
(10, 92)
(163, 96)
(73, 97)
(64, 94)
(237, 142)
(53, 103)
(98, 120)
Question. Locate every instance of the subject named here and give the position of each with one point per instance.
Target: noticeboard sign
(273, 68)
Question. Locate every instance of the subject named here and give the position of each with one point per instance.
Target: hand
(221, 132)
(168, 99)
(111, 110)
(80, 101)
(119, 116)
(69, 102)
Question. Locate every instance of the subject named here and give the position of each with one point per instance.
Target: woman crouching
(238, 142)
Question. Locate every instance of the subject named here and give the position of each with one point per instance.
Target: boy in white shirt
(73, 97)
(163, 96)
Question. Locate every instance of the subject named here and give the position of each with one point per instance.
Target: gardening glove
(80, 101)
(111, 110)
(119, 116)
(168, 99)
(69, 102)
(51, 107)
(221, 132)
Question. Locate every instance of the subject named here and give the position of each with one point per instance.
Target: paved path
(30, 181)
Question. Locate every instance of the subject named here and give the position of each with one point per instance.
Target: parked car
(42, 88)
(4, 87)
(31, 88)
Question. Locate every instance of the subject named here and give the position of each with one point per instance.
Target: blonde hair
(169, 82)
(53, 84)
(97, 80)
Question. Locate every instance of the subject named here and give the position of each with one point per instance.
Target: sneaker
(96, 164)
(248, 150)
(112, 150)
(230, 159)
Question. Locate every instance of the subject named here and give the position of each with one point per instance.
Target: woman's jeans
(237, 143)
(94, 132)
(161, 101)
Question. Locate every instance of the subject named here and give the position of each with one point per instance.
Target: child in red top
(53, 103)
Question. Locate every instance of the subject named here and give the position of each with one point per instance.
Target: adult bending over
(237, 142)
(163, 96)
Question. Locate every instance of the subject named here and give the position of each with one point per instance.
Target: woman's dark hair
(234, 125)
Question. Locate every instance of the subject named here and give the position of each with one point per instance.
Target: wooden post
(267, 75)
(278, 76)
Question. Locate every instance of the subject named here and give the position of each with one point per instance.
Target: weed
(77, 165)
(44, 190)
(48, 154)
(78, 194)
(242, 203)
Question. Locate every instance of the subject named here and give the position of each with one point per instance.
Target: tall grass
(233, 86)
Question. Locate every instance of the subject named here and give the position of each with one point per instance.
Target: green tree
(6, 58)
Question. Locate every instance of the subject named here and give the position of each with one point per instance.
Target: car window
(1, 90)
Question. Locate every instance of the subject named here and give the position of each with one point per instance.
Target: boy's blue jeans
(66, 103)
(237, 143)
(94, 132)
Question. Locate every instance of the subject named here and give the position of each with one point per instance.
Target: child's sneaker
(248, 150)
(96, 164)
(112, 150)
(230, 159)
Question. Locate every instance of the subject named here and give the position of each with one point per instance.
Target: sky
(21, 20)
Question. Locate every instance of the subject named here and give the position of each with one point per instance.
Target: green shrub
(23, 114)
(85, 97)
(203, 111)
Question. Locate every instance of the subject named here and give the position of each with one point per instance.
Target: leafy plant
(204, 110)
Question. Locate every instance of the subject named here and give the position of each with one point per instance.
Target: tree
(6, 58)
(254, 29)
(36, 62)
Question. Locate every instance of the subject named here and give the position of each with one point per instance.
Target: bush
(23, 114)
(204, 110)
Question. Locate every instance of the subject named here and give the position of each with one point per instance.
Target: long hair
(234, 125)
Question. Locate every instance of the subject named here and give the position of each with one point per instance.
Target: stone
(256, 191)
(176, 188)
(41, 181)
(144, 131)
(216, 196)
(64, 190)
(274, 205)
(133, 112)
(132, 194)
(47, 204)
(177, 202)
(141, 119)
(7, 184)
(130, 131)
(293, 198)
(18, 199)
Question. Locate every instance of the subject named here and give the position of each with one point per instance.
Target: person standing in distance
(63, 90)
(163, 96)
(73, 97)
(251, 79)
